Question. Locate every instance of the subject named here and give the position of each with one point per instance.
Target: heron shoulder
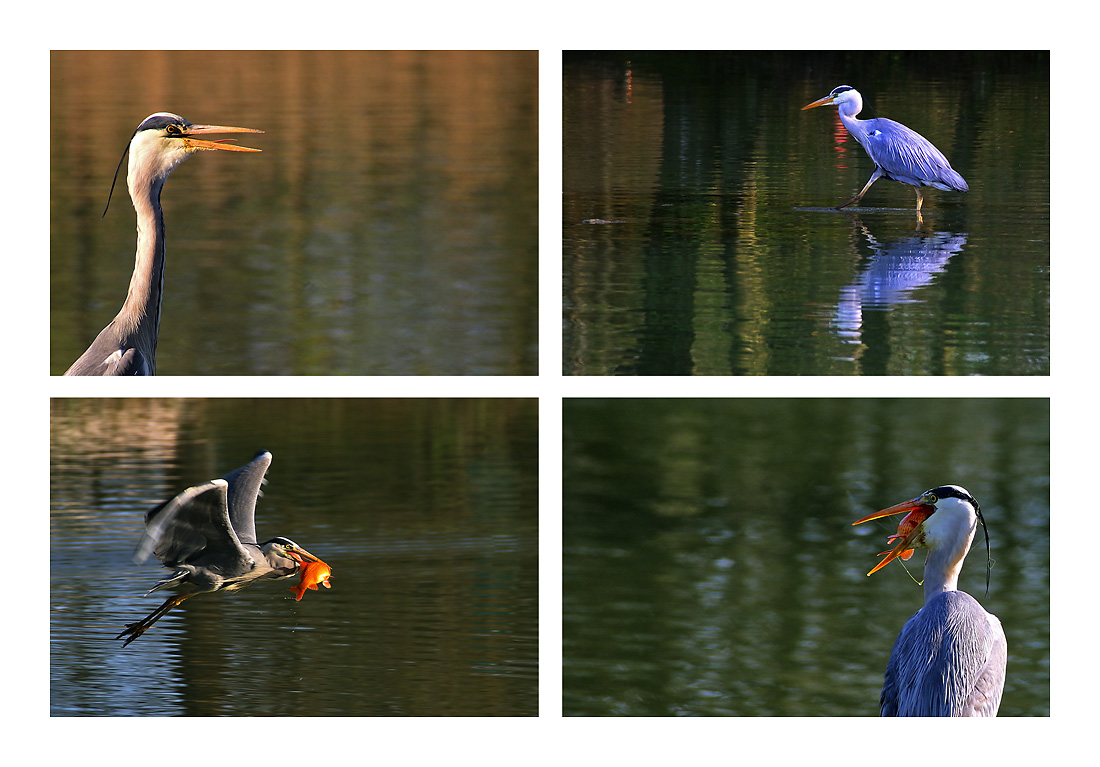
(948, 660)
(103, 360)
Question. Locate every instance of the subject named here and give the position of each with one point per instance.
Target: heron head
(946, 515)
(163, 141)
(286, 549)
(844, 96)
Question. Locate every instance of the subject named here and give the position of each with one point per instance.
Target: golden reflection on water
(389, 227)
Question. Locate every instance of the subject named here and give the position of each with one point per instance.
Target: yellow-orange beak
(909, 529)
(199, 130)
(822, 102)
(298, 554)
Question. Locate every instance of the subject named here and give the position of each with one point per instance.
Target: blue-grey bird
(207, 536)
(950, 657)
(899, 153)
(128, 345)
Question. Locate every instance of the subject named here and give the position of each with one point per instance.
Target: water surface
(426, 511)
(700, 238)
(711, 566)
(388, 228)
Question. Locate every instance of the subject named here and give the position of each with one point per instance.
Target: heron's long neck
(942, 568)
(848, 111)
(140, 315)
(856, 127)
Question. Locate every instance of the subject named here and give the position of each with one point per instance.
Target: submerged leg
(134, 630)
(874, 177)
(920, 201)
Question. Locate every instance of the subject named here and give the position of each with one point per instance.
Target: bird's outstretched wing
(244, 489)
(194, 528)
(948, 660)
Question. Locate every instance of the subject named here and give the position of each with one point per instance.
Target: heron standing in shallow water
(207, 535)
(128, 346)
(950, 657)
(899, 153)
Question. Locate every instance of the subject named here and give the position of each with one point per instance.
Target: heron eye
(173, 130)
(931, 498)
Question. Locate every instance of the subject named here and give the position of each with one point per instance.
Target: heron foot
(136, 629)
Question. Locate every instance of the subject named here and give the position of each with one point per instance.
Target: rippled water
(699, 237)
(389, 226)
(426, 511)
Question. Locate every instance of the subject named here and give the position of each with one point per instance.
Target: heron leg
(920, 201)
(874, 177)
(136, 629)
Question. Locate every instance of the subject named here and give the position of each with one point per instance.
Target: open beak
(199, 130)
(300, 555)
(909, 529)
(822, 102)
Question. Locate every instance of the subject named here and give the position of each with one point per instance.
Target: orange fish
(309, 575)
(909, 529)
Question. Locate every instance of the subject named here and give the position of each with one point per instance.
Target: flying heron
(949, 659)
(128, 346)
(899, 153)
(207, 535)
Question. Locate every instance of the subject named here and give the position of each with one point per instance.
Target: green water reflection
(699, 238)
(711, 567)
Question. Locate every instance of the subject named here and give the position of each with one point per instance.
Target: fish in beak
(910, 534)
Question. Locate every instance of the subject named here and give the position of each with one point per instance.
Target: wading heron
(207, 536)
(128, 346)
(949, 659)
(899, 153)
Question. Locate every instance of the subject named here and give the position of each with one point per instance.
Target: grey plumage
(128, 345)
(899, 153)
(950, 657)
(948, 660)
(207, 536)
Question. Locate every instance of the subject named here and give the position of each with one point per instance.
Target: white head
(844, 97)
(943, 521)
(161, 143)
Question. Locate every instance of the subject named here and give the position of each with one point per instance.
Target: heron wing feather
(193, 529)
(244, 489)
(908, 157)
(106, 359)
(948, 660)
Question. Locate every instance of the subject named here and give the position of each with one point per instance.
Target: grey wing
(909, 157)
(193, 528)
(985, 698)
(244, 489)
(948, 660)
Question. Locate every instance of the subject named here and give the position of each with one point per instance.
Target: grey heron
(949, 659)
(128, 345)
(899, 153)
(207, 536)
